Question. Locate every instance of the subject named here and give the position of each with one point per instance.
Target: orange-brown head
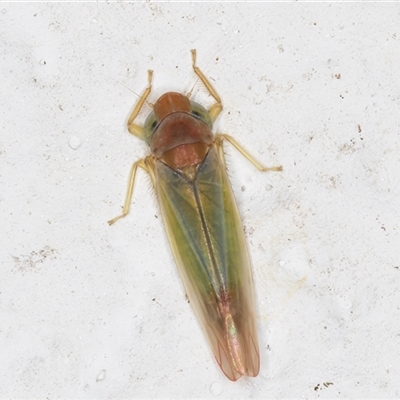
(174, 121)
(171, 102)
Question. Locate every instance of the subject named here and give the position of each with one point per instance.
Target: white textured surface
(89, 311)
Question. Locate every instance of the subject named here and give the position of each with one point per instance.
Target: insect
(188, 172)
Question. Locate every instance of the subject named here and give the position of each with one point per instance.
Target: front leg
(216, 108)
(222, 136)
(133, 128)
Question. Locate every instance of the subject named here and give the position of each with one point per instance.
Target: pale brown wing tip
(250, 355)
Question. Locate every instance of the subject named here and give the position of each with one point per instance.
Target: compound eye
(149, 127)
(200, 112)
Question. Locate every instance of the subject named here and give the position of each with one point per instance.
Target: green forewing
(207, 239)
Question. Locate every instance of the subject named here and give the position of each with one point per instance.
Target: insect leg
(216, 108)
(221, 137)
(133, 128)
(125, 211)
